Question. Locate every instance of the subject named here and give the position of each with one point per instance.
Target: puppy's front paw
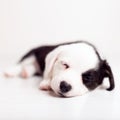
(44, 85)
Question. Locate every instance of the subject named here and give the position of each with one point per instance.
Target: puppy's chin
(69, 94)
(75, 91)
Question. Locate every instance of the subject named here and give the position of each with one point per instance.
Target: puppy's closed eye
(65, 65)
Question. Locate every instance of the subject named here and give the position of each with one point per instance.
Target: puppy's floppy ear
(107, 72)
(49, 62)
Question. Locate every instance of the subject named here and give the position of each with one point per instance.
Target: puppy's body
(68, 69)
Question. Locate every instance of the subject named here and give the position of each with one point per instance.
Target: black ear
(105, 71)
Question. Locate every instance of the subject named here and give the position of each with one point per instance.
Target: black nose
(65, 87)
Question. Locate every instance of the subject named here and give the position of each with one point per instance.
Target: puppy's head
(66, 80)
(71, 74)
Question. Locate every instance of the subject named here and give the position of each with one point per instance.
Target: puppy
(69, 69)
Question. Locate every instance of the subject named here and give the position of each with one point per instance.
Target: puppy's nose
(65, 87)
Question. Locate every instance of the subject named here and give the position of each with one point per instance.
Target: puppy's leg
(25, 69)
(13, 71)
(28, 71)
(45, 85)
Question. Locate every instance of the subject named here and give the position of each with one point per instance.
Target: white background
(28, 23)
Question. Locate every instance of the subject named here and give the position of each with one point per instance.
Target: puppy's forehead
(79, 55)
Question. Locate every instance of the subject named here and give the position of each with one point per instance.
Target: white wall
(28, 23)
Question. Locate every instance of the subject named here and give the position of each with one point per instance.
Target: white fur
(80, 57)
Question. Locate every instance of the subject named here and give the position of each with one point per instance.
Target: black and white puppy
(69, 69)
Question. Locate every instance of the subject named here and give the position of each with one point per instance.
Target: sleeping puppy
(69, 69)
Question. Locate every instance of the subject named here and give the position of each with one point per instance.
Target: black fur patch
(94, 77)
